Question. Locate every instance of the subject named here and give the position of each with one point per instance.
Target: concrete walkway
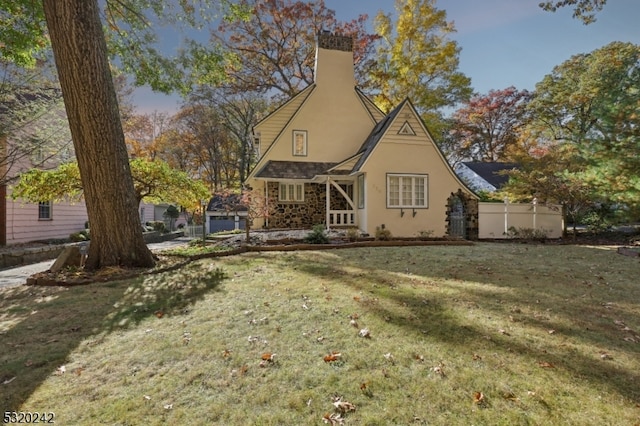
(18, 276)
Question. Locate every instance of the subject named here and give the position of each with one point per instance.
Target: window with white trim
(291, 192)
(407, 191)
(44, 210)
(300, 143)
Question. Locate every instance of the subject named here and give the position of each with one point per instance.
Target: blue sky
(504, 42)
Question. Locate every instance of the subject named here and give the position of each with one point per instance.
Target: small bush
(317, 236)
(353, 234)
(382, 233)
(80, 236)
(596, 223)
(424, 235)
(528, 234)
(157, 225)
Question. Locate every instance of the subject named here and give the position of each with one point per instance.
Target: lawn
(489, 334)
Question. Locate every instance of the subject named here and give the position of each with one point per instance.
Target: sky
(503, 42)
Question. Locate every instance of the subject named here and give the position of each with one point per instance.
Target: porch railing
(342, 218)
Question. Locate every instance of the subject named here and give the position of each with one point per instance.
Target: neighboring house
(331, 157)
(481, 176)
(32, 145)
(226, 212)
(45, 142)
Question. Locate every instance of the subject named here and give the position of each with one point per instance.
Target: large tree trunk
(80, 52)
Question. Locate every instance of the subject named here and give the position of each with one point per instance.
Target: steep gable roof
(376, 134)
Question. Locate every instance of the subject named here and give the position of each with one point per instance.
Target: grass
(495, 334)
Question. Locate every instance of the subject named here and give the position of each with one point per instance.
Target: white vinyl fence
(498, 220)
(193, 231)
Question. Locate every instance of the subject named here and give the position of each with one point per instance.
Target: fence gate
(457, 218)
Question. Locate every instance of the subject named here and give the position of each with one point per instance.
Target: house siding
(270, 128)
(408, 155)
(23, 224)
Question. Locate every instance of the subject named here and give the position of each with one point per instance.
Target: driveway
(18, 275)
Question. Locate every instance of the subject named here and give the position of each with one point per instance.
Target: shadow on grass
(41, 326)
(581, 302)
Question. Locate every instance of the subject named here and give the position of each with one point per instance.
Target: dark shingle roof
(293, 169)
(375, 136)
(491, 171)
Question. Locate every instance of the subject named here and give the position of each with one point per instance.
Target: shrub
(317, 236)
(596, 222)
(80, 236)
(157, 225)
(423, 235)
(382, 233)
(528, 234)
(353, 234)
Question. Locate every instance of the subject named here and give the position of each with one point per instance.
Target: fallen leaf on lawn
(159, 314)
(333, 356)
(28, 363)
(605, 356)
(78, 371)
(353, 323)
(363, 386)
(545, 364)
(333, 419)
(389, 357)
(439, 370)
(478, 398)
(419, 357)
(9, 380)
(226, 353)
(356, 298)
(343, 406)
(476, 357)
(364, 333)
(502, 331)
(268, 356)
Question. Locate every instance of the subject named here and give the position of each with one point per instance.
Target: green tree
(592, 101)
(585, 10)
(548, 174)
(416, 59)
(79, 44)
(154, 182)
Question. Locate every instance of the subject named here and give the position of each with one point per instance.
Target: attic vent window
(406, 130)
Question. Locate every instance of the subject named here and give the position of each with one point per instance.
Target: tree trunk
(80, 52)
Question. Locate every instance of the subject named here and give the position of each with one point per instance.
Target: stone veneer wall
(303, 215)
(470, 212)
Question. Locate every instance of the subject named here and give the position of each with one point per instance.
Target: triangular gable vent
(406, 130)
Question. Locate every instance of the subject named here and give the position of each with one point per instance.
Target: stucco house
(330, 156)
